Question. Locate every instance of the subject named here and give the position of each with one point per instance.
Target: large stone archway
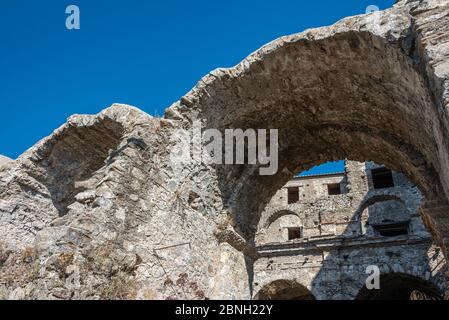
(400, 286)
(284, 290)
(343, 92)
(363, 89)
(372, 87)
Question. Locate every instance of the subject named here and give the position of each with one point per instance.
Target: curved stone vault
(89, 211)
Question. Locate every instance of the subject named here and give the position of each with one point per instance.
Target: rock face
(4, 160)
(97, 210)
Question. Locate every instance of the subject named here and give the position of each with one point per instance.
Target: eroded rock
(101, 189)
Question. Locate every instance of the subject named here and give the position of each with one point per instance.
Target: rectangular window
(393, 229)
(334, 189)
(294, 233)
(382, 178)
(293, 195)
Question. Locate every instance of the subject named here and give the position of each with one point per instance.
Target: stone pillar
(233, 275)
(356, 175)
(436, 218)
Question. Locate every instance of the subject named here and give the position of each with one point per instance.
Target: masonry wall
(338, 272)
(340, 240)
(390, 92)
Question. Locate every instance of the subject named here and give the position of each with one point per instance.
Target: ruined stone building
(319, 235)
(96, 210)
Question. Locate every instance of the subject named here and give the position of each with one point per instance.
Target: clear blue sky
(145, 53)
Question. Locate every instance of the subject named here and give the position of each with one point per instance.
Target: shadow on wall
(71, 157)
(360, 95)
(284, 290)
(384, 229)
(399, 286)
(368, 100)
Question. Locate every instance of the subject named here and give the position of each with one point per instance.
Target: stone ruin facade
(95, 210)
(319, 235)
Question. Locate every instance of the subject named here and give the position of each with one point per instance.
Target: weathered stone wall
(4, 160)
(339, 242)
(97, 211)
(336, 270)
(321, 214)
(120, 230)
(359, 90)
(310, 188)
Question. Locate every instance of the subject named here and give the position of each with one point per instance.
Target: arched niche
(281, 226)
(400, 286)
(346, 95)
(388, 217)
(284, 290)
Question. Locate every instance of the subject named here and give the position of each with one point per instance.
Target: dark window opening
(294, 233)
(399, 286)
(293, 195)
(393, 229)
(382, 178)
(334, 189)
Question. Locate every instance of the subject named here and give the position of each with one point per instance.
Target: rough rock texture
(96, 210)
(92, 208)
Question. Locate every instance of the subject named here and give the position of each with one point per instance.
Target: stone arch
(343, 105)
(274, 214)
(278, 224)
(73, 155)
(387, 211)
(284, 290)
(376, 199)
(61, 164)
(400, 286)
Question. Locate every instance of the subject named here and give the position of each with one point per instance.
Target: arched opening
(332, 94)
(284, 290)
(397, 286)
(65, 162)
(387, 218)
(344, 234)
(282, 226)
(359, 208)
(73, 156)
(326, 107)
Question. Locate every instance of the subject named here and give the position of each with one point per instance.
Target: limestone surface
(4, 162)
(97, 211)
